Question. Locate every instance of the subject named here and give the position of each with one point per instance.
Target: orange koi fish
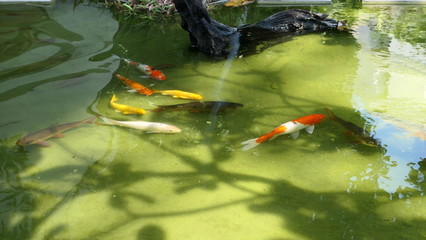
(291, 127)
(148, 70)
(136, 86)
(180, 94)
(124, 108)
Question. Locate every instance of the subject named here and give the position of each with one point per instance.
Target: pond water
(110, 182)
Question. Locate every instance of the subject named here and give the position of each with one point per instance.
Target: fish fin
(144, 76)
(348, 133)
(295, 134)
(273, 137)
(132, 90)
(310, 129)
(44, 144)
(250, 144)
(91, 119)
(59, 135)
(331, 114)
(106, 121)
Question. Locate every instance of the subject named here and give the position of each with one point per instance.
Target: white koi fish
(149, 127)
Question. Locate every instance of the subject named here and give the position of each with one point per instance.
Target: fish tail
(249, 144)
(331, 115)
(158, 109)
(91, 119)
(114, 98)
(106, 121)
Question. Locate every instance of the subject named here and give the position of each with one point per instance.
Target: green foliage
(145, 9)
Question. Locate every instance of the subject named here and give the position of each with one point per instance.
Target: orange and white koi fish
(291, 127)
(180, 94)
(124, 108)
(148, 70)
(137, 87)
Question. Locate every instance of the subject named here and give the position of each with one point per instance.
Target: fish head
(28, 140)
(310, 119)
(236, 105)
(316, 118)
(22, 142)
(171, 129)
(157, 75)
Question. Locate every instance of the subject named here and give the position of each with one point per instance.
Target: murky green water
(104, 182)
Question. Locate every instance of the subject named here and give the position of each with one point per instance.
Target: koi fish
(206, 106)
(137, 87)
(40, 137)
(148, 70)
(124, 108)
(291, 127)
(149, 127)
(361, 135)
(180, 94)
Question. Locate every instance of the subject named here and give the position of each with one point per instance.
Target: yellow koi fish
(180, 94)
(124, 108)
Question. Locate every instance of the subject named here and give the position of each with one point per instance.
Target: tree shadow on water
(313, 215)
(334, 215)
(151, 232)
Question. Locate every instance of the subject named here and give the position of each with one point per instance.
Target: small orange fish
(136, 86)
(148, 70)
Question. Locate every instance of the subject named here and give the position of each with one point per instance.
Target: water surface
(104, 182)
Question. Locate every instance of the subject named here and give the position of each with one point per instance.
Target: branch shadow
(313, 215)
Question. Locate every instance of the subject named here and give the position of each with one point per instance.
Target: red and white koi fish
(148, 70)
(291, 127)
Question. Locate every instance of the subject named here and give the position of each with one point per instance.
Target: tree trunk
(216, 39)
(209, 36)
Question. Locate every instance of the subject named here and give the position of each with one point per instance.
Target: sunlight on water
(395, 101)
(111, 182)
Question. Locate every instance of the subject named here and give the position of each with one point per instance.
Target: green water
(104, 182)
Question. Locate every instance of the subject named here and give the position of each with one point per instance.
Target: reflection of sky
(390, 92)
